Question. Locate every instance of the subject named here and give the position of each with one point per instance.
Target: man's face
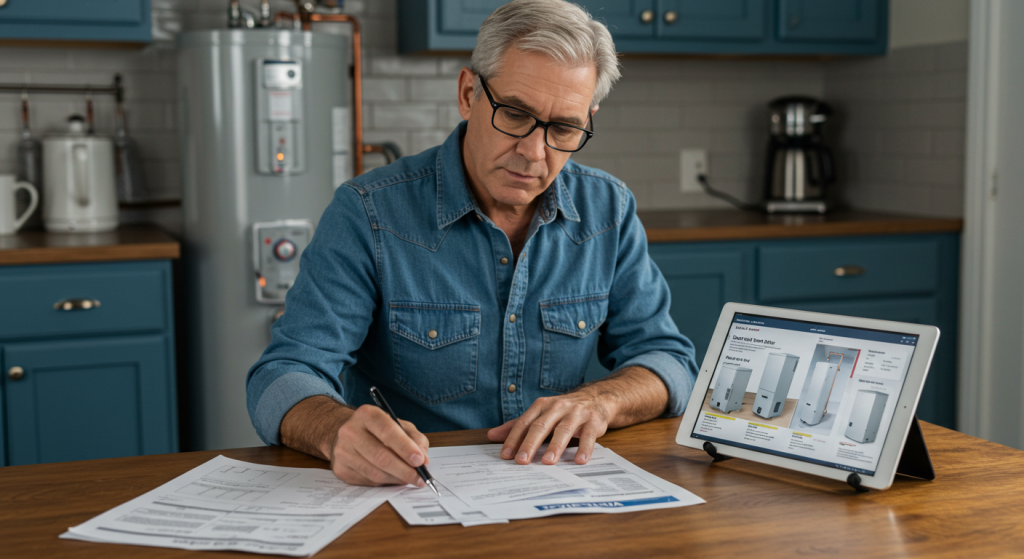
(514, 171)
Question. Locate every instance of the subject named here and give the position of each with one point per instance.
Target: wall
(927, 22)
(899, 134)
(659, 107)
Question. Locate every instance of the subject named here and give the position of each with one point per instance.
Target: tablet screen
(819, 393)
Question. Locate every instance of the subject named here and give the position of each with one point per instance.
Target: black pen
(383, 404)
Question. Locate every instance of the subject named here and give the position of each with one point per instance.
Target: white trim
(976, 377)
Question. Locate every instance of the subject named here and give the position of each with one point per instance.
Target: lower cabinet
(98, 386)
(904, 278)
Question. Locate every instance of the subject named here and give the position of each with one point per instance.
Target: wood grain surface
(666, 226)
(130, 242)
(974, 508)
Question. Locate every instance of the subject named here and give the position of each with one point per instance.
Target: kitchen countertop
(667, 226)
(129, 242)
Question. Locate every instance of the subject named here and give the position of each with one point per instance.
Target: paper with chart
(229, 504)
(608, 483)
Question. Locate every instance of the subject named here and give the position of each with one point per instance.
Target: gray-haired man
(472, 282)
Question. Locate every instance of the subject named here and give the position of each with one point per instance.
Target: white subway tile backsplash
(421, 140)
(434, 89)
(385, 89)
(403, 66)
(405, 117)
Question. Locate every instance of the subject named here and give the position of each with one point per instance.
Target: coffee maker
(799, 165)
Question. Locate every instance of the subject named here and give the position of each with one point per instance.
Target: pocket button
(432, 334)
(582, 324)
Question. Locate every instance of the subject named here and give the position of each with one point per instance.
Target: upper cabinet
(75, 20)
(755, 27)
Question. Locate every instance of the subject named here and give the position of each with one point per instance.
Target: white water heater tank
(730, 387)
(866, 416)
(774, 386)
(817, 393)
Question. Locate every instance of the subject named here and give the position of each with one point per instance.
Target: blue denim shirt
(408, 286)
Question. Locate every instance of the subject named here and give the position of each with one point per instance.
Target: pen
(383, 404)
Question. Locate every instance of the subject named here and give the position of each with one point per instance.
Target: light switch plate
(692, 162)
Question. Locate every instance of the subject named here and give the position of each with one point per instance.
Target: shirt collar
(455, 201)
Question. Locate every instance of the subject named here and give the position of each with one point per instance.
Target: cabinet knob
(647, 16)
(75, 304)
(849, 271)
(671, 17)
(3, 3)
(15, 373)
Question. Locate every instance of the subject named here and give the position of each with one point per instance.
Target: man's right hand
(365, 446)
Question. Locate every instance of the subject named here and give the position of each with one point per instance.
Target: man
(472, 282)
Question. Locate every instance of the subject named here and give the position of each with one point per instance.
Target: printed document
(229, 504)
(608, 483)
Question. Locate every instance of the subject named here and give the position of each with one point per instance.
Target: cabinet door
(829, 21)
(465, 16)
(622, 16)
(94, 20)
(727, 20)
(89, 398)
(701, 283)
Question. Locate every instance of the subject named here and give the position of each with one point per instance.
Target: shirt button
(432, 334)
(512, 318)
(504, 260)
(581, 324)
(511, 388)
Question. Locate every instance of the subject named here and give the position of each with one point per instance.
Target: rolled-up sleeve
(328, 313)
(639, 330)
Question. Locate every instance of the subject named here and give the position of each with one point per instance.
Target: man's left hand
(577, 414)
(629, 396)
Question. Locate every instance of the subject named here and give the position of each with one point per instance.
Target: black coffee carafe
(799, 165)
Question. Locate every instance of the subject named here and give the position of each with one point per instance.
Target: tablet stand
(914, 461)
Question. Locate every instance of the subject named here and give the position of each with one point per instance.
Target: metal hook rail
(116, 89)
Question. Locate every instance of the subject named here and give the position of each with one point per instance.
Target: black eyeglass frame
(588, 134)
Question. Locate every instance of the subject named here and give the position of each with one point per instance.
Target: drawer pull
(15, 373)
(847, 271)
(76, 304)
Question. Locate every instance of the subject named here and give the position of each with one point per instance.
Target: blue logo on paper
(609, 504)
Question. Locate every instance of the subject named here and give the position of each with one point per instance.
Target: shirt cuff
(280, 396)
(677, 379)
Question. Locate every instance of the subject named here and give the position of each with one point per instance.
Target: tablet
(819, 393)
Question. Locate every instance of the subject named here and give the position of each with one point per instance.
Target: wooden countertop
(666, 226)
(974, 507)
(129, 242)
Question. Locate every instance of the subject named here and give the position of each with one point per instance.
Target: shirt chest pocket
(434, 348)
(569, 331)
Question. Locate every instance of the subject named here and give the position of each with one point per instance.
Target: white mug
(9, 187)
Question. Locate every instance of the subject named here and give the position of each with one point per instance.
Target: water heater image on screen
(818, 392)
(866, 416)
(774, 386)
(732, 384)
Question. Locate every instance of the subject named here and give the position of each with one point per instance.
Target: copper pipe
(357, 80)
(357, 71)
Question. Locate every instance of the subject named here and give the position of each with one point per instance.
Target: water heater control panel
(280, 123)
(276, 251)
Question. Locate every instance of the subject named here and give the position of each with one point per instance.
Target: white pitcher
(10, 222)
(79, 181)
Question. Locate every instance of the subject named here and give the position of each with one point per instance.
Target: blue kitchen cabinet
(75, 20)
(89, 361)
(904, 278)
(825, 21)
(747, 27)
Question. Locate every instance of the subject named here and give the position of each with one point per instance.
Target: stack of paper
(478, 487)
(228, 504)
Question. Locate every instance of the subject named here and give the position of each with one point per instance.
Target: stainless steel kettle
(799, 165)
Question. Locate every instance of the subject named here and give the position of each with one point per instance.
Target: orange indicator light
(280, 157)
(263, 282)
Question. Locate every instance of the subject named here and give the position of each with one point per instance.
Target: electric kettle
(79, 181)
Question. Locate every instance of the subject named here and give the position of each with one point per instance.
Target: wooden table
(974, 508)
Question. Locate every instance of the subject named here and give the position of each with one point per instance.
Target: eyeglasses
(520, 124)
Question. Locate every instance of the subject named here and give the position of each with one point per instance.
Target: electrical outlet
(692, 162)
